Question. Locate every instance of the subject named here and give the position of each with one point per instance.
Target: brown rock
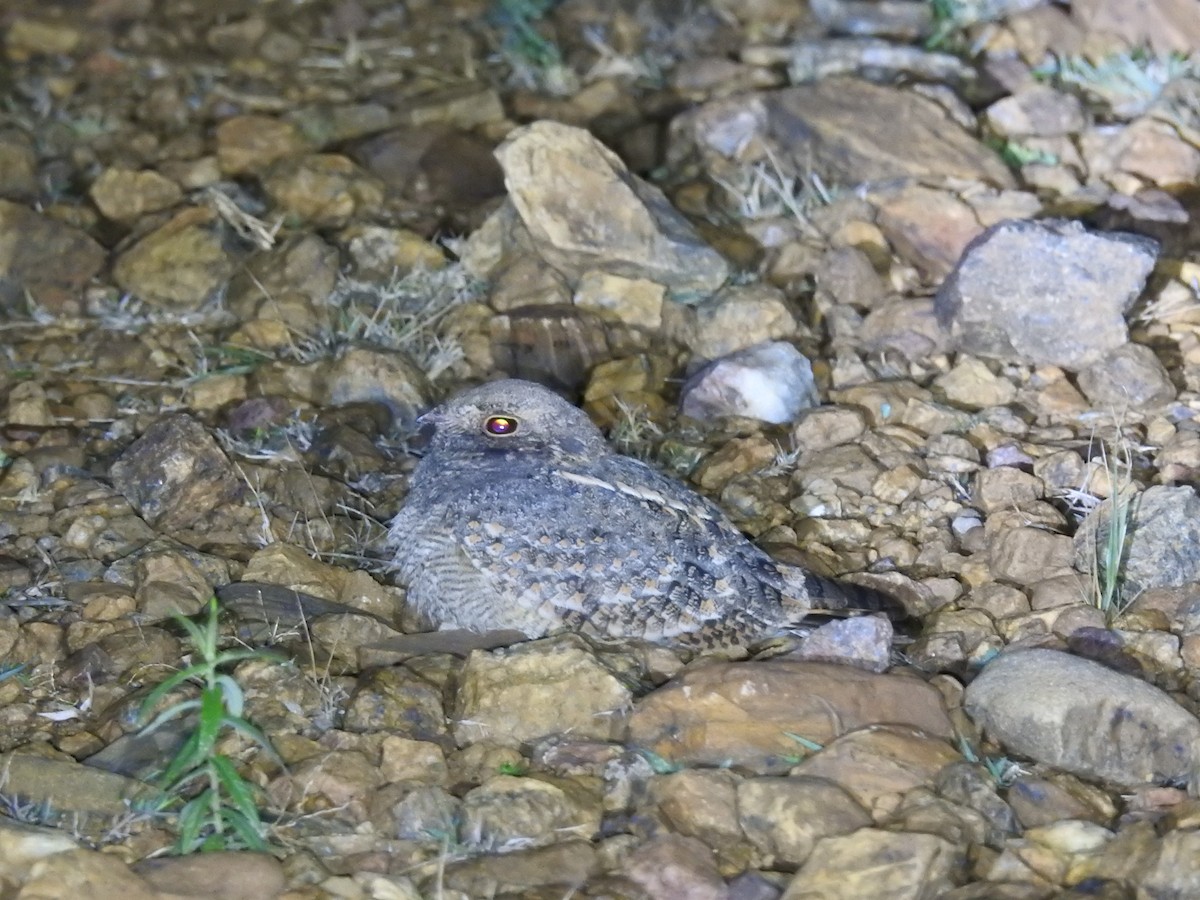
(785, 817)
(220, 876)
(175, 474)
(742, 713)
(1029, 555)
(564, 867)
(51, 261)
(305, 265)
(878, 865)
(672, 867)
(435, 165)
(399, 702)
(929, 228)
(323, 190)
(85, 873)
(536, 689)
(507, 809)
(854, 131)
(584, 211)
(1129, 378)
(126, 196)
(248, 145)
(179, 265)
(342, 779)
(877, 766)
(18, 166)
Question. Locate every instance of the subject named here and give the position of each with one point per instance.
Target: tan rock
(584, 210)
(700, 803)
(855, 131)
(739, 456)
(240, 876)
(827, 426)
(507, 809)
(249, 144)
(972, 385)
(30, 36)
(536, 689)
(1029, 555)
(1079, 716)
(637, 302)
(1167, 26)
(878, 765)
(878, 865)
(741, 713)
(51, 261)
(785, 817)
(64, 786)
(126, 196)
(563, 866)
(178, 265)
(1129, 380)
(1006, 487)
(928, 228)
(409, 760)
(323, 190)
(384, 253)
(28, 405)
(366, 374)
(85, 873)
(734, 318)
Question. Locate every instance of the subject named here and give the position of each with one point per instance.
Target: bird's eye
(500, 426)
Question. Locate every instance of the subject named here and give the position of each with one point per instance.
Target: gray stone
(585, 210)
(1129, 379)
(1077, 715)
(1162, 544)
(175, 474)
(772, 382)
(1045, 292)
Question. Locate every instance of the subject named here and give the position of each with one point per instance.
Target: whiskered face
(512, 418)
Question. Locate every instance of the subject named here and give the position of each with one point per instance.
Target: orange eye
(500, 426)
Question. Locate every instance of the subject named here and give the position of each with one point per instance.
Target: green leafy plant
(216, 807)
(1002, 770)
(1016, 154)
(1108, 549)
(1105, 517)
(1127, 82)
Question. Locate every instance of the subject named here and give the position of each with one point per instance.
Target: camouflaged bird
(521, 516)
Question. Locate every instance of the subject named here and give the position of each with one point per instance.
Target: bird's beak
(424, 426)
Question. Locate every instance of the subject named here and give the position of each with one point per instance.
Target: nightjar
(521, 516)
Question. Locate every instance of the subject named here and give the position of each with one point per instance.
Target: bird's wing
(621, 550)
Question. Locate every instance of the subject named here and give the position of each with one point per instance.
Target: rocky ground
(909, 289)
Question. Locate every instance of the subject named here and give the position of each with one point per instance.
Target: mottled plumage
(521, 516)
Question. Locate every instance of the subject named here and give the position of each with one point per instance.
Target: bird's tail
(818, 594)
